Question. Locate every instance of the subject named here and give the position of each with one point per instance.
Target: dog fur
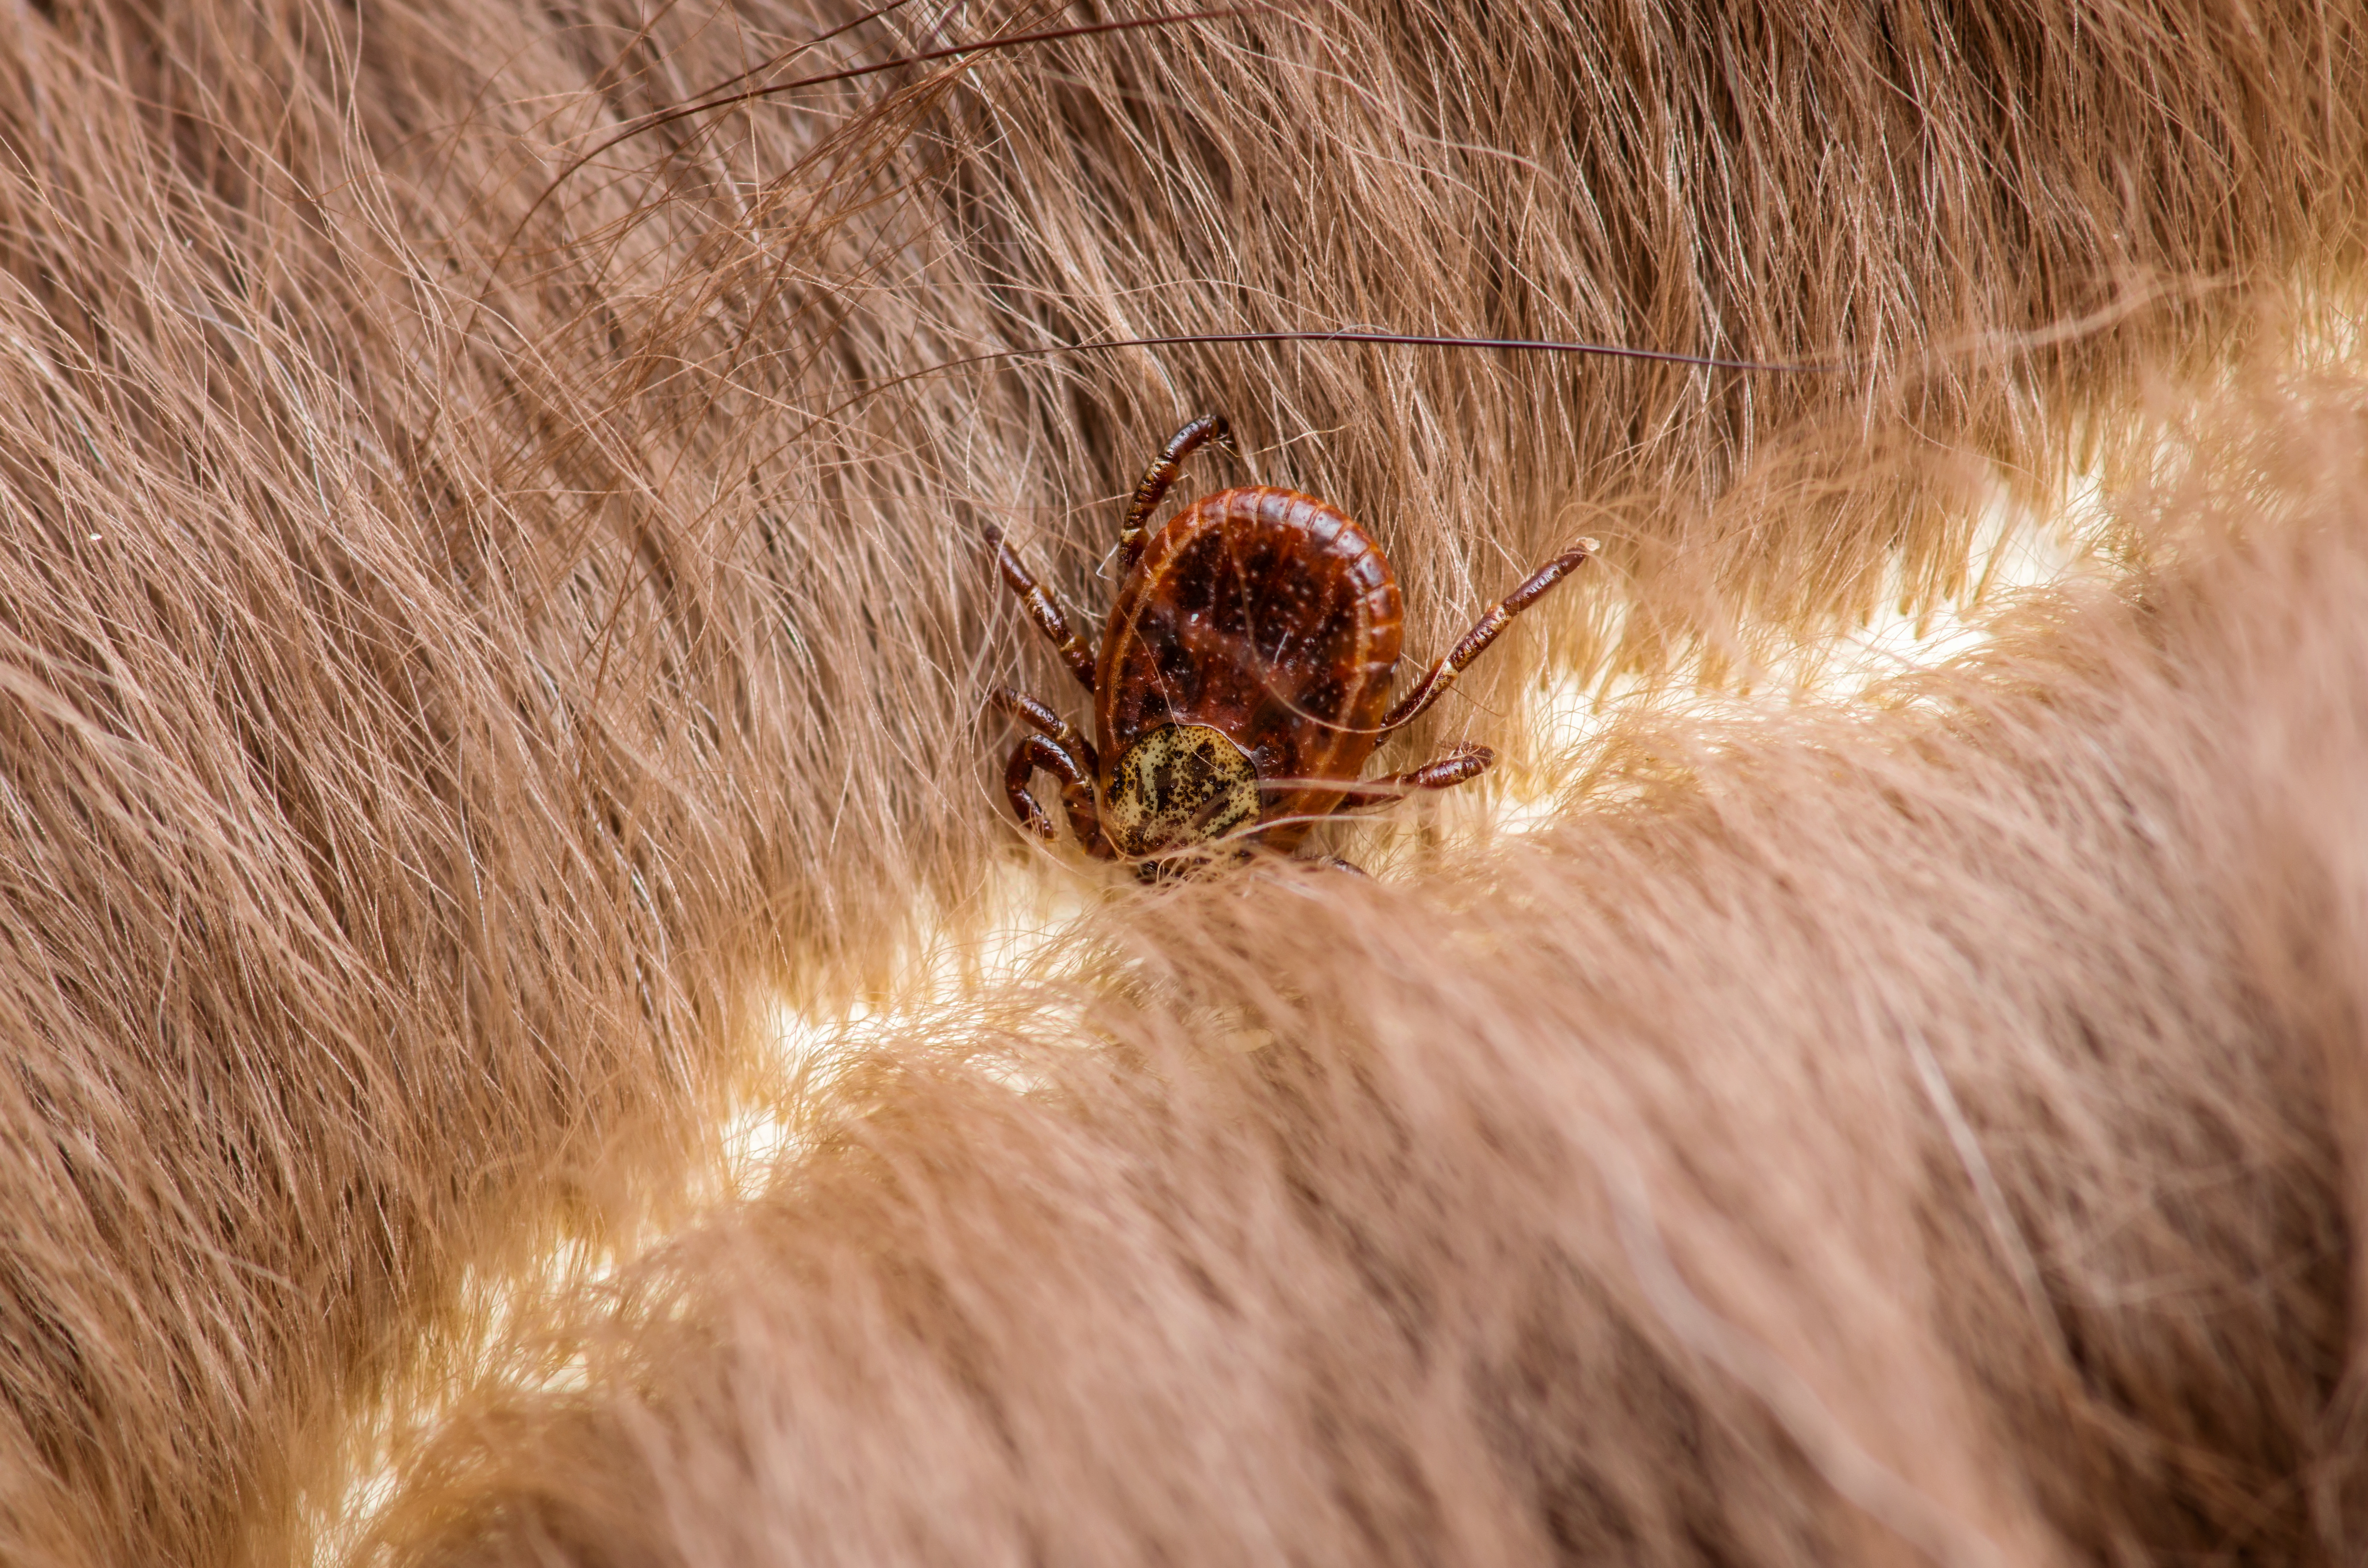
(486, 608)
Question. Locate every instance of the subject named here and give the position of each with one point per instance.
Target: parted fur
(1931, 1139)
(491, 596)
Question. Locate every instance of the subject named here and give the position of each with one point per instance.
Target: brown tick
(1243, 679)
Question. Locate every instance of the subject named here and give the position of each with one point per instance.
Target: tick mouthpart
(1193, 861)
(1178, 786)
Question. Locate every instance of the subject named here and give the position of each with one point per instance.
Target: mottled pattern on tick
(1179, 785)
(1268, 617)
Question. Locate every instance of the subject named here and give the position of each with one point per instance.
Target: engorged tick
(1243, 679)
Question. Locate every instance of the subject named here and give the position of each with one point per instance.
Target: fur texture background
(491, 599)
(1905, 1142)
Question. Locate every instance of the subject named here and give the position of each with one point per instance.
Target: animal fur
(480, 610)
(1927, 1139)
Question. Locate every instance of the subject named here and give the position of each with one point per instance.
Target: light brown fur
(1899, 1141)
(524, 627)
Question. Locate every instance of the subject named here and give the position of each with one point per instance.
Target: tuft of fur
(1930, 1138)
(490, 580)
(368, 830)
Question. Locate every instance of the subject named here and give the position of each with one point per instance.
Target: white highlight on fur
(1014, 920)
(491, 1302)
(2017, 548)
(1000, 935)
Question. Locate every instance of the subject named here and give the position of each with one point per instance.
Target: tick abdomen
(1244, 677)
(1268, 617)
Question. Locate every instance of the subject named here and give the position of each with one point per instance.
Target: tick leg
(1434, 685)
(1044, 610)
(1458, 767)
(1162, 474)
(1036, 716)
(1077, 793)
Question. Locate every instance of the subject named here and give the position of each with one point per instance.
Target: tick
(1243, 679)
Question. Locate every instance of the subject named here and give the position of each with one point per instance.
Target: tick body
(1244, 678)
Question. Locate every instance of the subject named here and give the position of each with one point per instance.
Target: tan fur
(1892, 1142)
(481, 610)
